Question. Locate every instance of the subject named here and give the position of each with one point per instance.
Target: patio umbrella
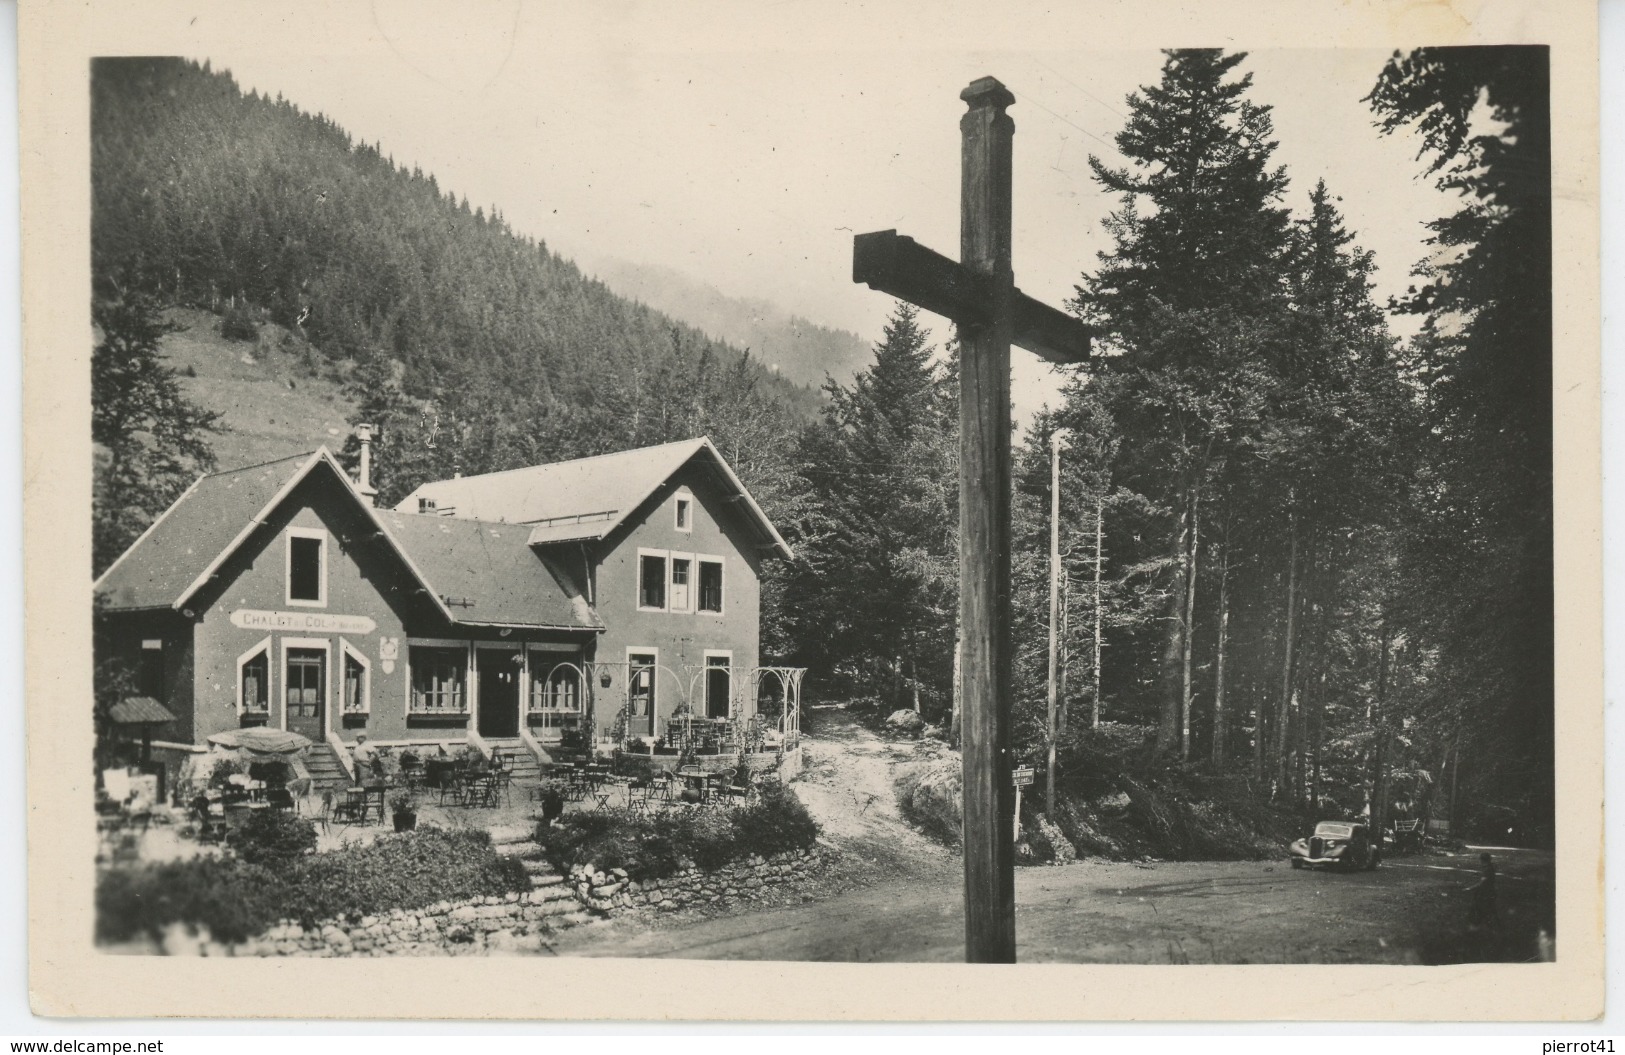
(262, 740)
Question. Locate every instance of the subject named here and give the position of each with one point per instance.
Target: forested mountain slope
(474, 346)
(802, 351)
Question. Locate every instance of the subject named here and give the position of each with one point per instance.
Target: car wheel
(1297, 862)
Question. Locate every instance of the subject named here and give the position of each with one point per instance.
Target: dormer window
(426, 505)
(685, 513)
(307, 567)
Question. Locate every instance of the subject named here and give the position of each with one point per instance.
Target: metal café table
(374, 790)
(696, 780)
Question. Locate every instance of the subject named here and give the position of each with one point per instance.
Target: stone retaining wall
(517, 922)
(637, 764)
(755, 879)
(510, 922)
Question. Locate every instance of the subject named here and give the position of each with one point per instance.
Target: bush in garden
(776, 823)
(273, 838)
(403, 871)
(655, 846)
(609, 839)
(224, 770)
(232, 898)
(236, 899)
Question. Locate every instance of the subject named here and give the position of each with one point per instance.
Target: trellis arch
(788, 682)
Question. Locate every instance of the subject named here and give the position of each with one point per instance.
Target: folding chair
(353, 808)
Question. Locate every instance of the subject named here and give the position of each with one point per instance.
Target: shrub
(655, 846)
(224, 769)
(776, 823)
(403, 871)
(232, 898)
(239, 325)
(274, 839)
(236, 899)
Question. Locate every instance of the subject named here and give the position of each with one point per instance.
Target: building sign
(389, 650)
(1021, 776)
(302, 622)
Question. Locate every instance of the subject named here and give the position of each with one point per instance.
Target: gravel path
(898, 896)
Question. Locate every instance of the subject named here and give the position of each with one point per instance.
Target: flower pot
(405, 822)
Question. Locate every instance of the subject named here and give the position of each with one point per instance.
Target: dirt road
(899, 898)
(1408, 911)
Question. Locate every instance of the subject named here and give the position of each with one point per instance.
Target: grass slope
(277, 396)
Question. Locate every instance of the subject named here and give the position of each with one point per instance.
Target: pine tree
(875, 592)
(1187, 306)
(151, 442)
(1482, 538)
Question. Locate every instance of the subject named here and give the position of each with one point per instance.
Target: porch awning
(139, 710)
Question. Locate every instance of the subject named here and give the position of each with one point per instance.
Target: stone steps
(326, 772)
(548, 889)
(526, 769)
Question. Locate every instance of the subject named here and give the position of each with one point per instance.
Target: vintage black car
(1339, 844)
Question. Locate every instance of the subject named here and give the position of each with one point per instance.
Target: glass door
(640, 694)
(307, 692)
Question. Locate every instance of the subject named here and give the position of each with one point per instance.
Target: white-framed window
(709, 585)
(557, 694)
(652, 579)
(254, 679)
(680, 596)
(355, 684)
(718, 683)
(683, 514)
(305, 566)
(437, 676)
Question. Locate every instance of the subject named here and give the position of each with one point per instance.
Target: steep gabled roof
(487, 573)
(186, 543)
(510, 584)
(584, 499)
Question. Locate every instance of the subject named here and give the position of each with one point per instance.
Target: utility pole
(1057, 441)
(1100, 516)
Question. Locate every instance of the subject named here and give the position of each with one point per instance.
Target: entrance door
(640, 694)
(307, 692)
(499, 693)
(718, 686)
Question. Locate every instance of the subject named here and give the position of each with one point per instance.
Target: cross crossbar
(897, 265)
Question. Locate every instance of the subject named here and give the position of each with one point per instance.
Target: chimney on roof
(364, 473)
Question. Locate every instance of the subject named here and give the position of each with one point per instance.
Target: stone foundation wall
(755, 879)
(511, 922)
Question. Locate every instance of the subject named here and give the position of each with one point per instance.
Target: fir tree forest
(1306, 559)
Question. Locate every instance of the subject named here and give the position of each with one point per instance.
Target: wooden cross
(979, 295)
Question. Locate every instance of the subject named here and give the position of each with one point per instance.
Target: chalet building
(602, 596)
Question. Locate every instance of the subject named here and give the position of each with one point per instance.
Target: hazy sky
(749, 159)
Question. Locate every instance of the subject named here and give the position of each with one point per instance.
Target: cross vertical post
(984, 527)
(978, 293)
